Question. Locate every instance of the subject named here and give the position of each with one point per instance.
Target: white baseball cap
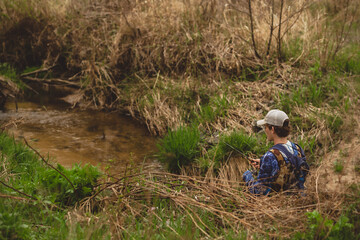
(274, 117)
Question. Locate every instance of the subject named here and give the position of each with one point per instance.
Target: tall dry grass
(224, 200)
(122, 37)
(120, 51)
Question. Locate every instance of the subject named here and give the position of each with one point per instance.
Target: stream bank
(110, 140)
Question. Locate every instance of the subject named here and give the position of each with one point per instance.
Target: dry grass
(146, 55)
(130, 54)
(231, 207)
(104, 41)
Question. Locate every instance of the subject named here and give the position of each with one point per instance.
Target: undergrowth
(34, 197)
(323, 228)
(210, 67)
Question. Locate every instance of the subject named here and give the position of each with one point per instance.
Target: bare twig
(279, 30)
(252, 30)
(18, 191)
(341, 38)
(51, 166)
(271, 27)
(16, 198)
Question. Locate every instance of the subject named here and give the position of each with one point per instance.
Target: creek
(70, 136)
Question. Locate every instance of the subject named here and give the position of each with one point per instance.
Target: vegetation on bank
(37, 202)
(197, 73)
(35, 197)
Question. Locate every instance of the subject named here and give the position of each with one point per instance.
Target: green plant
(10, 227)
(338, 166)
(334, 123)
(357, 165)
(348, 60)
(237, 142)
(179, 148)
(316, 71)
(43, 190)
(327, 89)
(293, 48)
(8, 71)
(83, 178)
(323, 228)
(309, 145)
(216, 107)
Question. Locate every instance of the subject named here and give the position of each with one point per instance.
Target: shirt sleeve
(269, 167)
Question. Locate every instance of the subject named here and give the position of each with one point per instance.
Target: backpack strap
(289, 155)
(282, 176)
(284, 179)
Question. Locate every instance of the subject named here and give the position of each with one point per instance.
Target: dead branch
(37, 71)
(54, 81)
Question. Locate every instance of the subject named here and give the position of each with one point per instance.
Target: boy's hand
(255, 162)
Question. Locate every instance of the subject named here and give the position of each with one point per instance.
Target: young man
(283, 167)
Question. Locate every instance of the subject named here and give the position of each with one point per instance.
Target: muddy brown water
(69, 136)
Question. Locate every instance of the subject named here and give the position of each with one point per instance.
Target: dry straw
(225, 198)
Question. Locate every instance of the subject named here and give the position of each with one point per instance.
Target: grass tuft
(179, 148)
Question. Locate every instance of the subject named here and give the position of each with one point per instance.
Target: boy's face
(269, 132)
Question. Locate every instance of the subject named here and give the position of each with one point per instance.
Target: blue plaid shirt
(269, 167)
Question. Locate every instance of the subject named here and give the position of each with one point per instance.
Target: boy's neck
(279, 140)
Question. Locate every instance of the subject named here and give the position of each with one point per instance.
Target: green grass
(309, 145)
(292, 49)
(179, 148)
(185, 146)
(236, 142)
(216, 107)
(334, 122)
(338, 166)
(83, 178)
(348, 60)
(8, 71)
(318, 92)
(48, 194)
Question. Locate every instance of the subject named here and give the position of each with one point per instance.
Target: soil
(346, 154)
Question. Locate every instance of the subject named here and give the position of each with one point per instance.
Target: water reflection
(71, 136)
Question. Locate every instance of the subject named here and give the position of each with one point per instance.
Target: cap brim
(260, 122)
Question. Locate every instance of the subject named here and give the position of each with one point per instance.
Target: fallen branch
(53, 81)
(37, 71)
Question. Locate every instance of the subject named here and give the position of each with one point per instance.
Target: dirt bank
(345, 156)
